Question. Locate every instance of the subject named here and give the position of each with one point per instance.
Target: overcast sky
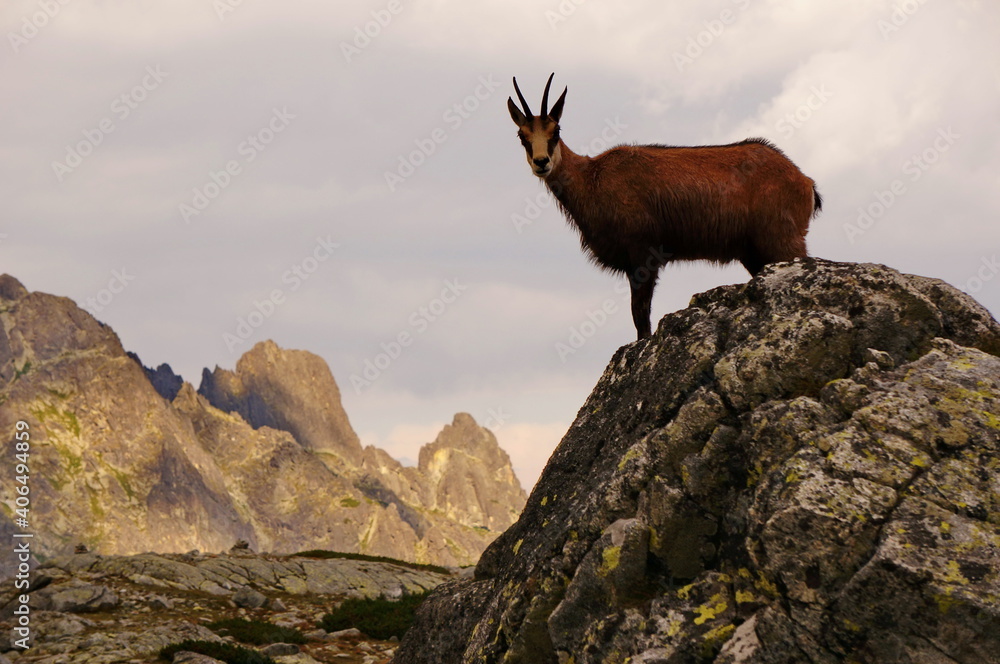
(206, 174)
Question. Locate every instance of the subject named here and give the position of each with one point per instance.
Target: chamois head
(539, 134)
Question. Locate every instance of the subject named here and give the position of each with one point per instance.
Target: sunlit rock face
(126, 459)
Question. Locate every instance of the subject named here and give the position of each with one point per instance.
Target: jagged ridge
(127, 459)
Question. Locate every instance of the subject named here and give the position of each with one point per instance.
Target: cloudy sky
(344, 177)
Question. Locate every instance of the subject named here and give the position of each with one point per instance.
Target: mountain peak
(290, 390)
(11, 288)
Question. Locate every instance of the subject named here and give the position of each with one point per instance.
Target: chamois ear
(557, 109)
(515, 113)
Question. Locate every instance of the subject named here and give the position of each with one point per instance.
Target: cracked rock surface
(803, 468)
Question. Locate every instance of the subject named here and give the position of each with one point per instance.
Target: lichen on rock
(803, 468)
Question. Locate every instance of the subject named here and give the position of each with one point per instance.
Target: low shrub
(225, 652)
(378, 618)
(257, 632)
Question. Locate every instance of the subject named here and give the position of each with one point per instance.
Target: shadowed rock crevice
(799, 469)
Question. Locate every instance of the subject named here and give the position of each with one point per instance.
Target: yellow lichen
(954, 574)
(610, 558)
(711, 610)
(517, 547)
(851, 625)
(766, 586)
(631, 454)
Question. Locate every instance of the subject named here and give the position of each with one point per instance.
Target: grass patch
(23, 370)
(257, 632)
(323, 554)
(225, 652)
(378, 618)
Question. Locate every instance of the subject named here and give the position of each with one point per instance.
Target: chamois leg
(642, 283)
(753, 263)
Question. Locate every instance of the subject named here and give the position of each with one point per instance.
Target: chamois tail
(817, 201)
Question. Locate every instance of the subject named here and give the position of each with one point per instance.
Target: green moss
(349, 502)
(124, 483)
(95, 506)
(66, 418)
(22, 371)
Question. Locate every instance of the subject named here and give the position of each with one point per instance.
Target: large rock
(74, 597)
(799, 469)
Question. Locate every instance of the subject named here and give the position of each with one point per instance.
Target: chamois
(638, 207)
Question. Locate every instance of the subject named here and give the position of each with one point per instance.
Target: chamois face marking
(541, 145)
(538, 134)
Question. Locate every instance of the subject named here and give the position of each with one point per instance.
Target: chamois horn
(545, 96)
(524, 104)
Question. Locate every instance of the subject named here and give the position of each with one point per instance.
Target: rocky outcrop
(164, 380)
(290, 390)
(123, 459)
(799, 469)
(89, 609)
(469, 478)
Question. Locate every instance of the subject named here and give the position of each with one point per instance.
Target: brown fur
(638, 207)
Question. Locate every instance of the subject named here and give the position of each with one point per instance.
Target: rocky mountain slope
(89, 609)
(805, 468)
(127, 460)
